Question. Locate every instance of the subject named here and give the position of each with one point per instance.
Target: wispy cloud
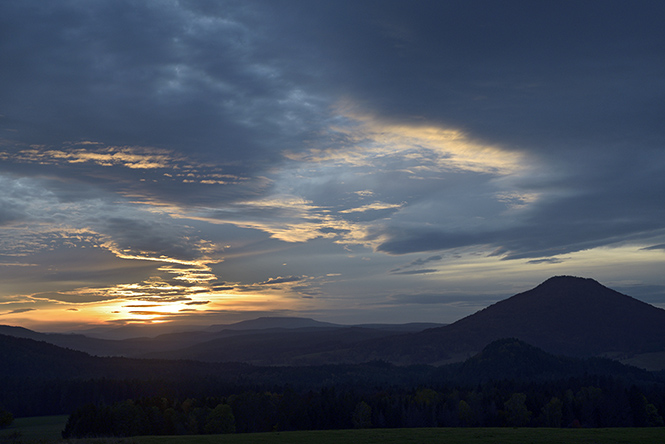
(421, 271)
(551, 260)
(282, 280)
(18, 310)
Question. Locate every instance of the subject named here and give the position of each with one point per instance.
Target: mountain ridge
(564, 315)
(568, 315)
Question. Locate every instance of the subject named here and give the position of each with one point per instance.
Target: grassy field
(41, 428)
(47, 429)
(426, 436)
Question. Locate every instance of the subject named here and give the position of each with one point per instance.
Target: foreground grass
(426, 436)
(46, 429)
(38, 428)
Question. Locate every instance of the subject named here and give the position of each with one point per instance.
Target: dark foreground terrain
(506, 383)
(45, 429)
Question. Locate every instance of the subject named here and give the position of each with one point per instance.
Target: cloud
(648, 293)
(282, 280)
(421, 271)
(552, 260)
(222, 288)
(188, 157)
(71, 297)
(19, 310)
(452, 299)
(147, 313)
(417, 263)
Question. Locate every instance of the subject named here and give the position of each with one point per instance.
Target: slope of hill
(512, 359)
(266, 338)
(563, 315)
(94, 346)
(268, 322)
(566, 315)
(29, 358)
(28, 361)
(275, 346)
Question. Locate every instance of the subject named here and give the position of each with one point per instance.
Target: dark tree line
(508, 384)
(6, 418)
(583, 402)
(151, 416)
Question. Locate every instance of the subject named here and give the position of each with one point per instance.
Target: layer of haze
(205, 162)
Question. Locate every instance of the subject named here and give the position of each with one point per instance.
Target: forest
(509, 383)
(575, 402)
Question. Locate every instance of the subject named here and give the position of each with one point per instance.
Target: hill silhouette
(564, 315)
(512, 359)
(26, 361)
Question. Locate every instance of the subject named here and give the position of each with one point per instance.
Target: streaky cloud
(422, 271)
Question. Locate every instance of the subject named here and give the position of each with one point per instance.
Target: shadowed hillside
(563, 315)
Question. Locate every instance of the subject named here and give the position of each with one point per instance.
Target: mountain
(77, 342)
(410, 327)
(30, 358)
(563, 315)
(154, 330)
(268, 322)
(512, 359)
(274, 340)
(133, 331)
(277, 346)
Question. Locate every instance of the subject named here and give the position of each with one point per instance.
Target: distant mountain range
(262, 341)
(564, 315)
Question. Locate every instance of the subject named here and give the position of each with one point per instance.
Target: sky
(206, 162)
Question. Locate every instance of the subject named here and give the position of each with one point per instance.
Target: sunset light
(350, 163)
(332, 221)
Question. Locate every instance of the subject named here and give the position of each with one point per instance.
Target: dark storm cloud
(111, 71)
(181, 77)
(485, 66)
(575, 86)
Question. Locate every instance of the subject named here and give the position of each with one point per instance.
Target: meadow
(430, 435)
(43, 430)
